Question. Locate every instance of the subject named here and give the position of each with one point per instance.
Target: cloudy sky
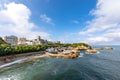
(91, 21)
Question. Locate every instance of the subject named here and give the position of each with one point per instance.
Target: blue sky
(88, 21)
(63, 13)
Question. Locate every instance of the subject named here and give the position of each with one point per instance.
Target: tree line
(7, 49)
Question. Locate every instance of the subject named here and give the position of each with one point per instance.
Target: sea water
(105, 65)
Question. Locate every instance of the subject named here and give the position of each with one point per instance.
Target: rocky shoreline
(94, 50)
(71, 54)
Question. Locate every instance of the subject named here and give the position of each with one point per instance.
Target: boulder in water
(91, 51)
(108, 48)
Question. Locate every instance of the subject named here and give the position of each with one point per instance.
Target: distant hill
(2, 41)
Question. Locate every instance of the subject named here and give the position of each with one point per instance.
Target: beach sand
(12, 58)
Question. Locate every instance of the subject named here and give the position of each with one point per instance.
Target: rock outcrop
(83, 48)
(98, 48)
(91, 51)
(108, 48)
(71, 55)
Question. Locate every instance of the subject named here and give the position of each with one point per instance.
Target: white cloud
(46, 19)
(98, 40)
(106, 22)
(15, 20)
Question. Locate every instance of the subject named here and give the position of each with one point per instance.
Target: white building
(22, 41)
(39, 41)
(29, 42)
(13, 40)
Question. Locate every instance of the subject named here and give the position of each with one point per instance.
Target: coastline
(26, 57)
(19, 57)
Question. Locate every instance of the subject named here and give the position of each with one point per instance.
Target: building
(13, 40)
(58, 42)
(22, 41)
(39, 41)
(29, 42)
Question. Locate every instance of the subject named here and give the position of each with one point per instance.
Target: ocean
(105, 65)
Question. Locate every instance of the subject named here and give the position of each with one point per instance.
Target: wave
(81, 54)
(98, 52)
(11, 63)
(20, 61)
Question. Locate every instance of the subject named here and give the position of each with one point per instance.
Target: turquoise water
(102, 66)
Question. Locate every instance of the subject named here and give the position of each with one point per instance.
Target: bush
(6, 49)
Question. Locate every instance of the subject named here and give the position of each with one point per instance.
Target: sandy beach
(12, 58)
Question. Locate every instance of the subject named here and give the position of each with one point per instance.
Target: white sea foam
(81, 55)
(20, 61)
(13, 77)
(11, 63)
(98, 52)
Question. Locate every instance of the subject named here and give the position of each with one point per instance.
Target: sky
(69, 21)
